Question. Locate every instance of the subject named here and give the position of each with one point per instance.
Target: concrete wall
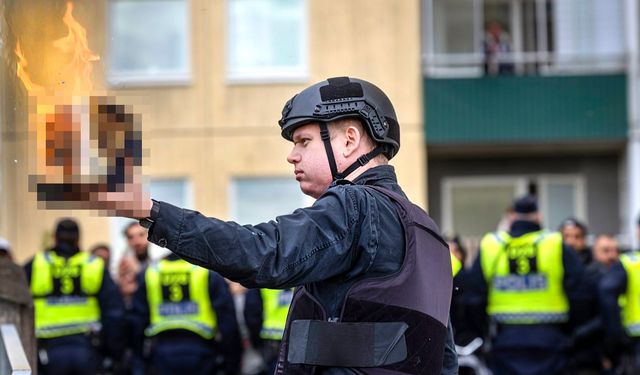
(209, 130)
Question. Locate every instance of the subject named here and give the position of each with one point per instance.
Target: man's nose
(293, 157)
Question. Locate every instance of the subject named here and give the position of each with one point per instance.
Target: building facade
(209, 78)
(525, 96)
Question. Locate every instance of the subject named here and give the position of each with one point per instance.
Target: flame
(22, 72)
(79, 68)
(76, 43)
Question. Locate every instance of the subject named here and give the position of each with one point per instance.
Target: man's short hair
(573, 222)
(132, 224)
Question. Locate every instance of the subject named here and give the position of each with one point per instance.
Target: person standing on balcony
(79, 313)
(527, 283)
(497, 47)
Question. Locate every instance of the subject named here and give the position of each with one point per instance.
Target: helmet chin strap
(362, 160)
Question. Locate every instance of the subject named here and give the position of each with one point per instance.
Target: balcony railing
(543, 63)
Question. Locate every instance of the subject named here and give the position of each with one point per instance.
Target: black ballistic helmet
(343, 97)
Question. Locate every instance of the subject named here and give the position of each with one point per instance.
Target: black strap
(337, 344)
(326, 138)
(362, 160)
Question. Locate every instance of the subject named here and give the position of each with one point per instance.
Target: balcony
(525, 109)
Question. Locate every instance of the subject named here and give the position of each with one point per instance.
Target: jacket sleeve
(112, 316)
(222, 302)
(613, 284)
(309, 245)
(475, 298)
(575, 286)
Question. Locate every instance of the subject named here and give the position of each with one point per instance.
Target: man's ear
(352, 139)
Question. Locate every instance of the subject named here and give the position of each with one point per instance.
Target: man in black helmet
(373, 274)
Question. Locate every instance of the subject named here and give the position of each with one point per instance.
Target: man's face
(605, 250)
(308, 156)
(574, 237)
(137, 239)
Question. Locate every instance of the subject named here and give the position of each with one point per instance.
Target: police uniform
(523, 282)
(187, 316)
(79, 312)
(266, 316)
(619, 294)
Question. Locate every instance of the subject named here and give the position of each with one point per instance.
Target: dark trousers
(527, 361)
(68, 359)
(177, 357)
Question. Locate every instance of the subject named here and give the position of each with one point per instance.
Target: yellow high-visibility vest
(178, 296)
(630, 301)
(65, 293)
(456, 265)
(275, 307)
(525, 278)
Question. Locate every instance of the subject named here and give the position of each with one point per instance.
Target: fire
(80, 67)
(22, 72)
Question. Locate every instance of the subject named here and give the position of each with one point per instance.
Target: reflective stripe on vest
(525, 276)
(630, 301)
(64, 293)
(275, 309)
(456, 265)
(178, 296)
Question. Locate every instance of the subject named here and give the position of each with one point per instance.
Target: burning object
(85, 141)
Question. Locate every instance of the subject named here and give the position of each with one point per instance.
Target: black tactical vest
(389, 325)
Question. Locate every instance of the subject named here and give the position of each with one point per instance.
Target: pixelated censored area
(84, 146)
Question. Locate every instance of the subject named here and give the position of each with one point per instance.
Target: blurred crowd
(546, 303)
(151, 316)
(537, 301)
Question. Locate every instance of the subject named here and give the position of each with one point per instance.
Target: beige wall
(211, 131)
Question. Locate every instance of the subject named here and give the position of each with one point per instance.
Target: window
(561, 197)
(149, 42)
(256, 200)
(473, 206)
(174, 191)
(266, 40)
(464, 37)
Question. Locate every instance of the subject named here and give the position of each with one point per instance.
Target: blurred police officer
(188, 316)
(79, 313)
(619, 296)
(265, 313)
(523, 280)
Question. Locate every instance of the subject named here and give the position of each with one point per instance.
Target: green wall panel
(520, 109)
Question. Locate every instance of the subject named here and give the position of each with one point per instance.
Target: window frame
(115, 79)
(267, 75)
(234, 195)
(549, 63)
(521, 185)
